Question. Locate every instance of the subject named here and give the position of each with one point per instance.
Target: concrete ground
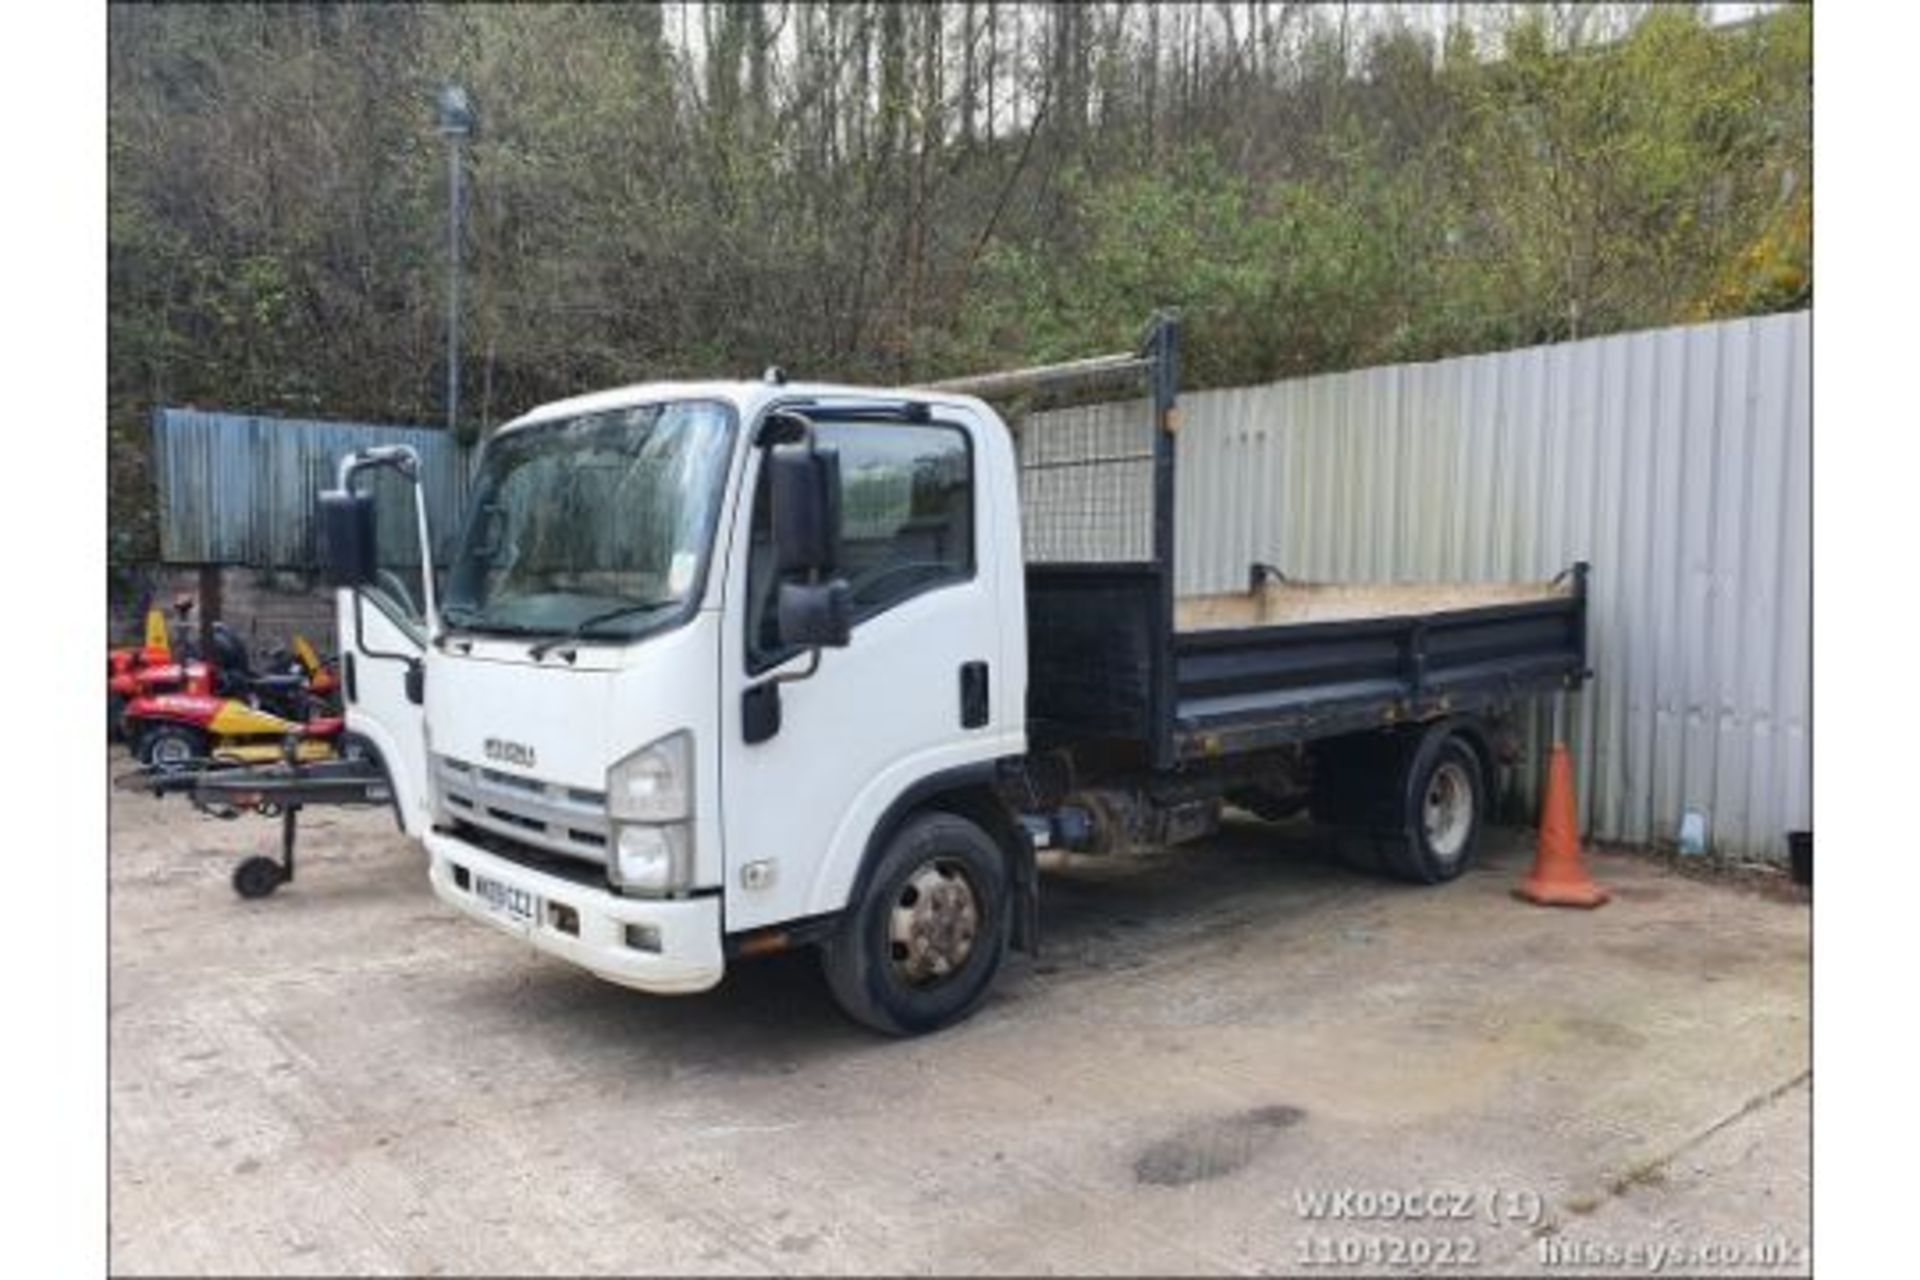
(1215, 1045)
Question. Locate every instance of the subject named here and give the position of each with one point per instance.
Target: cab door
(817, 745)
(384, 624)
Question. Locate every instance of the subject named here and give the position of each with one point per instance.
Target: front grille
(522, 854)
(549, 816)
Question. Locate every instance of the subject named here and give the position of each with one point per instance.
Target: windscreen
(602, 521)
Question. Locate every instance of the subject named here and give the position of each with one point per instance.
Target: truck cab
(607, 740)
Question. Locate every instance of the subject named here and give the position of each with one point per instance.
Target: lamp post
(456, 125)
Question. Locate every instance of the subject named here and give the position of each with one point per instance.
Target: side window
(906, 503)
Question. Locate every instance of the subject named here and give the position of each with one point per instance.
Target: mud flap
(1025, 877)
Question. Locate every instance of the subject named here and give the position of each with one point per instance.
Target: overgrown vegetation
(891, 191)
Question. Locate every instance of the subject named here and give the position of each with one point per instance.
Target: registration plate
(514, 907)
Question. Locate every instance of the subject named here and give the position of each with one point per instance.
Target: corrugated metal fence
(241, 490)
(1679, 461)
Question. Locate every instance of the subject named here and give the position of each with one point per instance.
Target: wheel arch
(1478, 734)
(1345, 764)
(966, 791)
(1430, 735)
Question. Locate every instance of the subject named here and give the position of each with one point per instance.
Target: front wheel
(170, 748)
(258, 877)
(920, 946)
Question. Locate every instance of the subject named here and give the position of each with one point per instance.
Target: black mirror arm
(786, 426)
(400, 457)
(804, 673)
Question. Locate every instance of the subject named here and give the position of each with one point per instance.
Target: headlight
(654, 784)
(650, 800)
(652, 860)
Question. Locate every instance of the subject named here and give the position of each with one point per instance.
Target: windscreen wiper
(580, 628)
(447, 614)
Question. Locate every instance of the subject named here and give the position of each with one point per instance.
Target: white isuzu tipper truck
(723, 668)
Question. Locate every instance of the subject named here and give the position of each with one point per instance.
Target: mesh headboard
(1086, 482)
(1088, 436)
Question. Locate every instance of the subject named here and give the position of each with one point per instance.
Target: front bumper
(689, 956)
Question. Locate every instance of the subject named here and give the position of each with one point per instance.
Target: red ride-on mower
(156, 665)
(235, 715)
(159, 666)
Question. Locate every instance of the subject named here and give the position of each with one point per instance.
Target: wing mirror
(806, 508)
(814, 609)
(816, 615)
(348, 556)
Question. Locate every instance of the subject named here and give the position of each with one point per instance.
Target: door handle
(760, 712)
(975, 709)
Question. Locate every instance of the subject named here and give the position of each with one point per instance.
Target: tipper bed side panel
(1238, 690)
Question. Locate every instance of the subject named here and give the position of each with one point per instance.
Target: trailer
(228, 789)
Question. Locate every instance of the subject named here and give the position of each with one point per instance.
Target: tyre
(919, 947)
(116, 707)
(170, 748)
(1444, 797)
(1355, 780)
(1408, 804)
(258, 876)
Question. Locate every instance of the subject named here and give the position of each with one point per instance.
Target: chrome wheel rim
(935, 918)
(1447, 810)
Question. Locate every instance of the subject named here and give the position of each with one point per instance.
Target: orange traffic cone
(1559, 878)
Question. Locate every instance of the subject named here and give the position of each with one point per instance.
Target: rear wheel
(1445, 796)
(116, 708)
(1410, 804)
(170, 748)
(919, 948)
